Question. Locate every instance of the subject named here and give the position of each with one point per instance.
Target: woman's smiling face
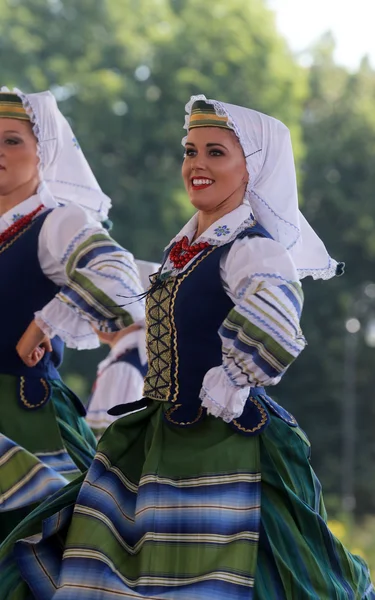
(214, 169)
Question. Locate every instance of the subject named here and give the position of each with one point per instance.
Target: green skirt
(190, 514)
(40, 450)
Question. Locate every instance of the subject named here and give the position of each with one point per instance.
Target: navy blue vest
(184, 314)
(24, 290)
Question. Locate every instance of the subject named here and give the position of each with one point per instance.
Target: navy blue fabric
(278, 410)
(200, 307)
(24, 290)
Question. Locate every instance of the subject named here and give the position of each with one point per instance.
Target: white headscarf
(272, 188)
(64, 171)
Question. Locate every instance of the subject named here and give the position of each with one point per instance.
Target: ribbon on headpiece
(204, 115)
(11, 107)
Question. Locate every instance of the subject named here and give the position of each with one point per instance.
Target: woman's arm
(98, 278)
(261, 335)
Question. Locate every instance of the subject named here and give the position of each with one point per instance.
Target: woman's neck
(17, 196)
(206, 219)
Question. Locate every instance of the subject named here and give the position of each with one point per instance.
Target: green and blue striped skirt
(201, 513)
(40, 450)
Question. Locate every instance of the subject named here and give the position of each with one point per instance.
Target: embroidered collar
(22, 209)
(223, 231)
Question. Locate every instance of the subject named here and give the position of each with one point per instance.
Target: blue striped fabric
(95, 264)
(261, 335)
(59, 461)
(198, 535)
(294, 293)
(187, 537)
(32, 479)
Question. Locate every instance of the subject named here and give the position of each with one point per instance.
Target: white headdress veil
(64, 170)
(272, 189)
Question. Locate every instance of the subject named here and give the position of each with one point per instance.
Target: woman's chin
(201, 203)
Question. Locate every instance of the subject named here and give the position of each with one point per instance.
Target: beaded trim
(246, 224)
(264, 416)
(182, 252)
(18, 225)
(15, 238)
(24, 399)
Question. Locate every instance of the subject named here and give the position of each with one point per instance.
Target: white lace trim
(325, 273)
(35, 125)
(57, 318)
(219, 109)
(220, 397)
(225, 413)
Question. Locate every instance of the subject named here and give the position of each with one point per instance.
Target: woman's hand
(111, 338)
(33, 345)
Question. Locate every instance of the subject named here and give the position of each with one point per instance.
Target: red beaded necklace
(182, 252)
(20, 224)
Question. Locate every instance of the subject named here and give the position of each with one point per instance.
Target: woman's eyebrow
(216, 144)
(208, 145)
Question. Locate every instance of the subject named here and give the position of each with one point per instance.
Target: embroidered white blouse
(261, 336)
(98, 278)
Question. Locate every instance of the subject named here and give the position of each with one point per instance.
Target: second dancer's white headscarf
(272, 188)
(64, 170)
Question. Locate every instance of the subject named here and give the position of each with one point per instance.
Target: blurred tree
(123, 71)
(338, 191)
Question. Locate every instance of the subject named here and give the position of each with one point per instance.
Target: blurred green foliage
(122, 71)
(358, 537)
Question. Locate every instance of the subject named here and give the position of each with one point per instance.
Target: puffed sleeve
(261, 335)
(98, 279)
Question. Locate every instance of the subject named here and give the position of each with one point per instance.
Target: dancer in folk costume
(121, 374)
(208, 492)
(61, 273)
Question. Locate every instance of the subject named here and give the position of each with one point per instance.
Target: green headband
(11, 107)
(203, 115)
